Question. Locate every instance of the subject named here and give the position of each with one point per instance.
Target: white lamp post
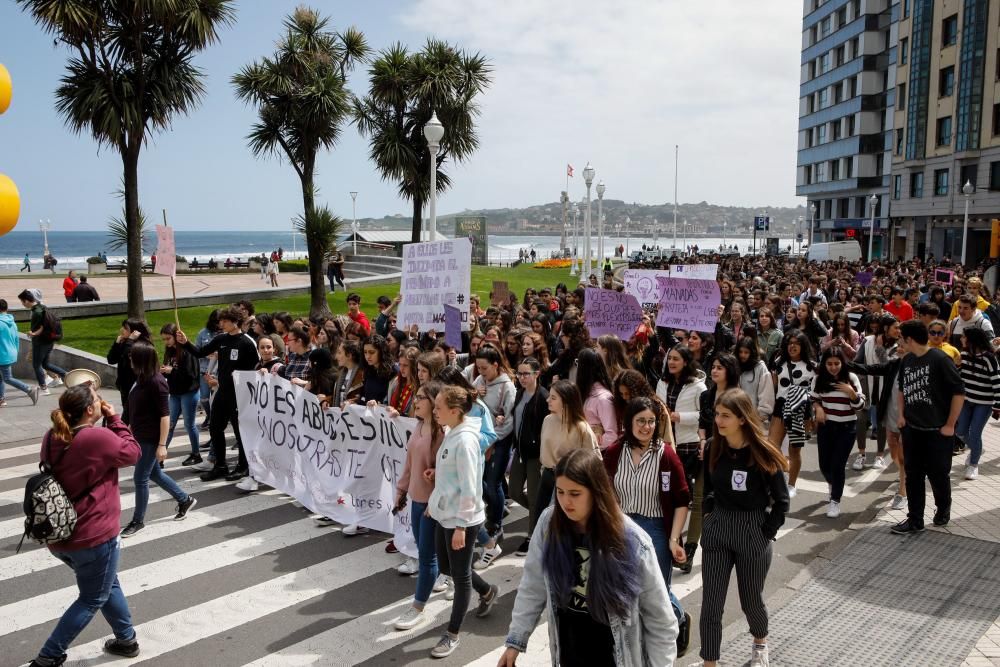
(685, 236)
(873, 201)
(812, 222)
(574, 267)
(600, 225)
(628, 223)
(45, 225)
(564, 200)
(588, 178)
(433, 132)
(967, 190)
(354, 219)
(725, 223)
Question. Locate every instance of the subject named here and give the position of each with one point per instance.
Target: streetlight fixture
(564, 200)
(967, 190)
(725, 223)
(354, 219)
(600, 225)
(685, 236)
(812, 222)
(588, 178)
(45, 225)
(628, 223)
(873, 201)
(433, 132)
(574, 267)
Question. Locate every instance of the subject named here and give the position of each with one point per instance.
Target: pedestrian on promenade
(43, 338)
(595, 575)
(69, 285)
(85, 459)
(27, 264)
(980, 373)
(793, 376)
(10, 344)
(183, 379)
(272, 273)
(932, 396)
(564, 429)
(131, 332)
(149, 419)
(746, 499)
(530, 409)
(207, 333)
(84, 292)
(335, 272)
(456, 503)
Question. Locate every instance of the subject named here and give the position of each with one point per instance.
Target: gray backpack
(49, 513)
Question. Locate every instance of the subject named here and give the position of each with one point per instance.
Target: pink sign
(692, 305)
(166, 255)
(607, 311)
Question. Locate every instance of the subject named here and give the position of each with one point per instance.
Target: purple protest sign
(608, 311)
(692, 305)
(453, 326)
(864, 278)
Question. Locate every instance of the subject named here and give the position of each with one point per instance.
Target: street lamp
(354, 218)
(600, 224)
(628, 223)
(873, 201)
(45, 225)
(812, 222)
(685, 236)
(588, 178)
(967, 190)
(574, 267)
(564, 200)
(725, 222)
(433, 132)
(798, 234)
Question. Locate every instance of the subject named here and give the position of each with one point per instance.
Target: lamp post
(600, 225)
(575, 266)
(798, 234)
(967, 190)
(588, 179)
(45, 225)
(354, 219)
(628, 223)
(725, 223)
(433, 132)
(812, 222)
(564, 200)
(873, 201)
(685, 237)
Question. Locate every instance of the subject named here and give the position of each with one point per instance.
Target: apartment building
(846, 100)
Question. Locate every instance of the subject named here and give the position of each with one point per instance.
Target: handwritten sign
(166, 255)
(611, 312)
(864, 278)
(687, 304)
(434, 274)
(944, 276)
(695, 271)
(453, 326)
(641, 283)
(500, 293)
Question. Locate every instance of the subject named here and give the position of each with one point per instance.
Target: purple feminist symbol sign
(610, 312)
(687, 304)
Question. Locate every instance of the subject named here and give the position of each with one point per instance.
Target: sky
(616, 84)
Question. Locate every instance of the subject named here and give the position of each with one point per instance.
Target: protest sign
(434, 274)
(500, 293)
(864, 278)
(343, 464)
(944, 276)
(695, 271)
(611, 312)
(453, 326)
(641, 283)
(687, 304)
(166, 254)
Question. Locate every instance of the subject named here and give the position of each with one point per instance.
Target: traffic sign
(761, 223)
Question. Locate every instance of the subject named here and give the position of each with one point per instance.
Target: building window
(904, 49)
(850, 126)
(998, 66)
(968, 174)
(824, 98)
(906, 9)
(994, 175)
(921, 36)
(835, 130)
(840, 54)
(972, 65)
(834, 170)
(824, 63)
(996, 119)
(897, 185)
(940, 182)
(854, 86)
(944, 131)
(901, 97)
(855, 47)
(946, 81)
(850, 168)
(842, 17)
(949, 31)
(917, 184)
(808, 174)
(899, 141)
(826, 25)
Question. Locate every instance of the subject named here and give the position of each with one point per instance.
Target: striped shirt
(638, 486)
(836, 404)
(981, 375)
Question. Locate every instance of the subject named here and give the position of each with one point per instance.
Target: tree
(130, 74)
(302, 100)
(405, 89)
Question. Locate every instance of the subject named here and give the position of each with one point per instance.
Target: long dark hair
(977, 342)
(322, 375)
(750, 345)
(824, 380)
(804, 345)
(134, 324)
(765, 455)
(72, 404)
(590, 370)
(569, 394)
(732, 368)
(637, 385)
(634, 407)
(614, 581)
(384, 370)
(172, 351)
(690, 371)
(145, 362)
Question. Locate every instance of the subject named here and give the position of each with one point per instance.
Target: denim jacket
(647, 637)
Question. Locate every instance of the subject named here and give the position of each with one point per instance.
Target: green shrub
(95, 260)
(294, 266)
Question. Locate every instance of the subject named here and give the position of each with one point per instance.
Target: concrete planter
(95, 269)
(254, 263)
(182, 266)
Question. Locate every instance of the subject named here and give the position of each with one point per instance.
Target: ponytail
(72, 405)
(60, 427)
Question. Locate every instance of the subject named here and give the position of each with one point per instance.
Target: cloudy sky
(618, 84)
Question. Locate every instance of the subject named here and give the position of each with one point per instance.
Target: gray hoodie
(499, 398)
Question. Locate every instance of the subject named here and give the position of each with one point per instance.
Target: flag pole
(173, 287)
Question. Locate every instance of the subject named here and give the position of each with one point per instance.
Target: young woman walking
(598, 404)
(563, 430)
(980, 372)
(182, 371)
(755, 379)
(793, 376)
(530, 409)
(132, 331)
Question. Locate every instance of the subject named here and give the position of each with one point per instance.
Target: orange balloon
(10, 204)
(6, 88)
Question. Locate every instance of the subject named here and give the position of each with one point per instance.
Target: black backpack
(51, 326)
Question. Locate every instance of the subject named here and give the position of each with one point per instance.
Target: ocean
(73, 248)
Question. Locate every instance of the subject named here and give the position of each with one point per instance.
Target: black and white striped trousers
(728, 539)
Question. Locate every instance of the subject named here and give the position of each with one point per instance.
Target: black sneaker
(194, 459)
(906, 527)
(205, 446)
(237, 474)
(942, 517)
(122, 648)
(42, 661)
(215, 473)
(486, 602)
(184, 507)
(523, 549)
(131, 529)
(684, 635)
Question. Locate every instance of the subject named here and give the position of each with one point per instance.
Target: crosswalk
(251, 580)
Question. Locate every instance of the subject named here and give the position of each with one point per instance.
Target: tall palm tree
(130, 73)
(405, 89)
(302, 100)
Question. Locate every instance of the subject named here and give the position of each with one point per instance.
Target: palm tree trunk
(317, 281)
(130, 160)
(418, 206)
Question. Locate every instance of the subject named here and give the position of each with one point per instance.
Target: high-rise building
(947, 121)
(846, 99)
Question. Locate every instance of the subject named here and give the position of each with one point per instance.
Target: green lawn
(96, 334)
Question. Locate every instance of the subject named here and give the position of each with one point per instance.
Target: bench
(122, 267)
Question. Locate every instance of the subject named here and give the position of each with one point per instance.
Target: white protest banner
(692, 305)
(166, 255)
(343, 464)
(641, 283)
(695, 271)
(608, 311)
(434, 274)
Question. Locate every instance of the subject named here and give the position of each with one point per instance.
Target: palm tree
(130, 73)
(302, 100)
(405, 89)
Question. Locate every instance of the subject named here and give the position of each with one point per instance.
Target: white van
(833, 251)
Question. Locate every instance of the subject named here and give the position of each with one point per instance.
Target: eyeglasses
(644, 422)
(936, 333)
(525, 374)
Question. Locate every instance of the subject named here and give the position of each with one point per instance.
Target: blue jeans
(40, 360)
(147, 469)
(653, 526)
(96, 571)
(493, 477)
(8, 378)
(188, 404)
(205, 393)
(971, 422)
(423, 534)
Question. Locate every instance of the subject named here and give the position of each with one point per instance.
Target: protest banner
(434, 274)
(608, 311)
(695, 271)
(944, 276)
(864, 278)
(343, 464)
(453, 326)
(641, 283)
(688, 304)
(166, 254)
(500, 293)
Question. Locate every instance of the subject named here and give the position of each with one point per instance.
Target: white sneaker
(449, 594)
(971, 472)
(833, 511)
(445, 646)
(489, 555)
(759, 657)
(354, 529)
(859, 462)
(792, 491)
(898, 502)
(408, 567)
(46, 391)
(879, 463)
(442, 583)
(248, 485)
(410, 619)
(55, 382)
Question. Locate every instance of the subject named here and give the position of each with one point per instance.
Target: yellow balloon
(10, 204)
(6, 88)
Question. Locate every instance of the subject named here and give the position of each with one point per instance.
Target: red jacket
(362, 319)
(93, 460)
(68, 286)
(903, 312)
(671, 476)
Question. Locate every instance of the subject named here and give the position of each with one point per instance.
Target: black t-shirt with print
(582, 640)
(928, 383)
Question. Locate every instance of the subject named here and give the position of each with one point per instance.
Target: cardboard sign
(695, 271)
(641, 283)
(434, 274)
(692, 305)
(453, 326)
(944, 276)
(500, 294)
(864, 278)
(608, 311)
(166, 255)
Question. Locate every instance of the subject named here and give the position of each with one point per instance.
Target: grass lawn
(96, 334)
